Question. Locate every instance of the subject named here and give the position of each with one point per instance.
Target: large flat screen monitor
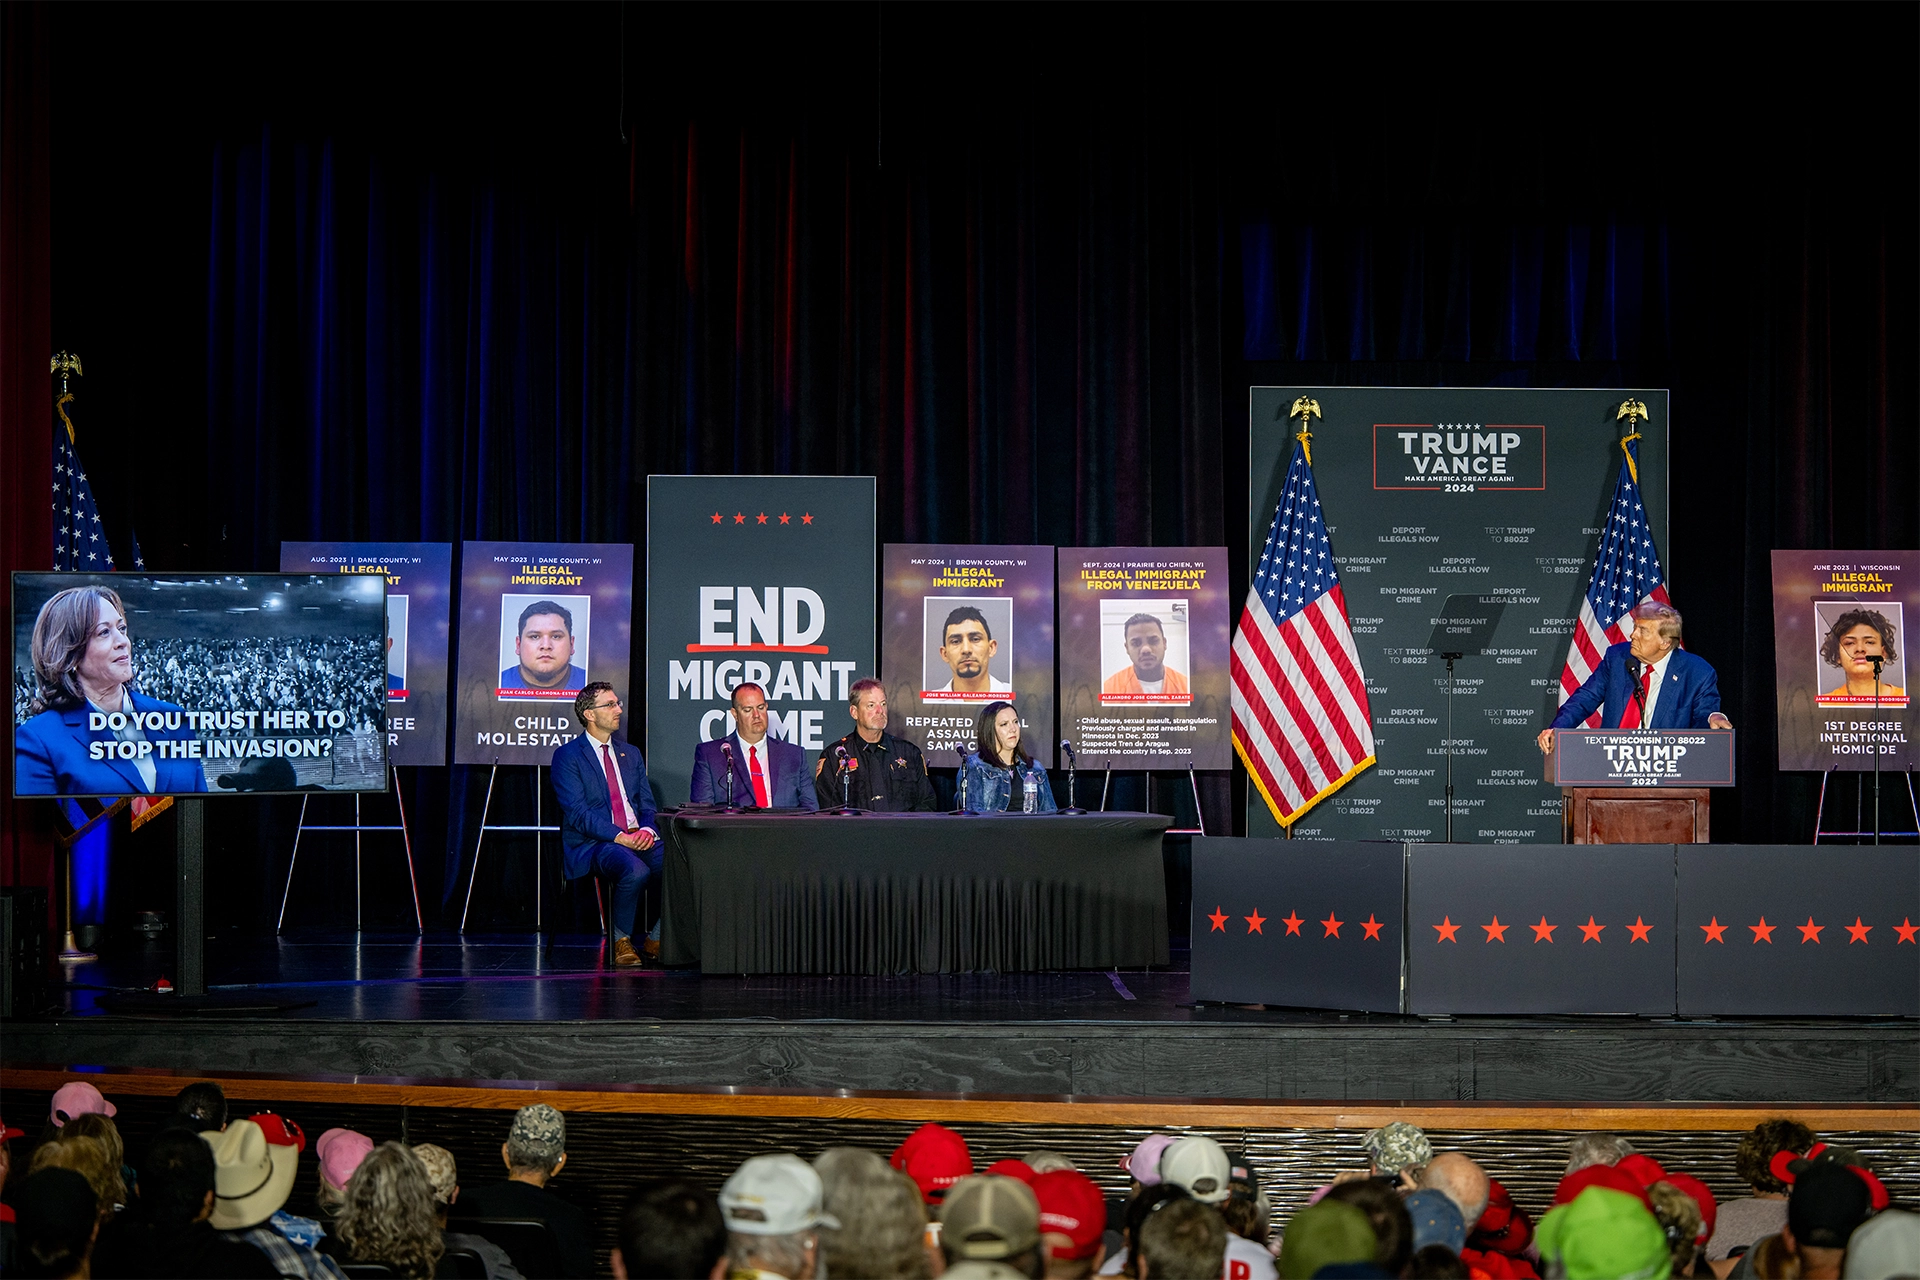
(173, 684)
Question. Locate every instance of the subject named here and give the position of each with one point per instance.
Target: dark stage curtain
(26, 394)
(1022, 274)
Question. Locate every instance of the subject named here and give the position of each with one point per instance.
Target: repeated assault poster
(1841, 668)
(1144, 639)
(962, 627)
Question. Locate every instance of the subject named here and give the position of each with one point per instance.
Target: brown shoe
(650, 948)
(624, 955)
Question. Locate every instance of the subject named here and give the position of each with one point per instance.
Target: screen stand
(539, 829)
(356, 826)
(1465, 625)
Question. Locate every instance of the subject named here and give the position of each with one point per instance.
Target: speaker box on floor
(24, 988)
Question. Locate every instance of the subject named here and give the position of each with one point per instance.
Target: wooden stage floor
(498, 1008)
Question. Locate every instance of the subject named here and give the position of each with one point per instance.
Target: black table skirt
(914, 893)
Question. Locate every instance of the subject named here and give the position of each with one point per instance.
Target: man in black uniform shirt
(890, 777)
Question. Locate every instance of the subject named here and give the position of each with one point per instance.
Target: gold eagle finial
(1306, 409)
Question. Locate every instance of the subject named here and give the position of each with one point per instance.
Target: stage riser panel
(1492, 1061)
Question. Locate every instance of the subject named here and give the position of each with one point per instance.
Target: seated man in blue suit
(607, 813)
(83, 668)
(1648, 682)
(766, 774)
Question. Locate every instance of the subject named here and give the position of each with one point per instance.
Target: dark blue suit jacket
(1688, 695)
(789, 781)
(586, 808)
(50, 757)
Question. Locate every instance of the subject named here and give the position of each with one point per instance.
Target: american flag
(1626, 574)
(1300, 718)
(79, 541)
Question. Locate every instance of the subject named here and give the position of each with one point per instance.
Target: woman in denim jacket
(1017, 786)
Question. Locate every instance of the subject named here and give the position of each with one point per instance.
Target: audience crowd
(209, 1198)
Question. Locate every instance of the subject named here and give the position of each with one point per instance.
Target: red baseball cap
(1019, 1169)
(1502, 1228)
(1690, 1185)
(280, 1131)
(1071, 1206)
(1600, 1175)
(1644, 1170)
(9, 1134)
(935, 1157)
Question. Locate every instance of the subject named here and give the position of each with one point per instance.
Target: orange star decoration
(1809, 932)
(1590, 932)
(1906, 929)
(1640, 930)
(739, 518)
(1713, 930)
(1447, 929)
(1543, 932)
(1254, 922)
(1496, 932)
(1763, 932)
(807, 519)
(785, 518)
(1331, 926)
(763, 517)
(1372, 927)
(1219, 919)
(716, 517)
(1293, 923)
(1858, 931)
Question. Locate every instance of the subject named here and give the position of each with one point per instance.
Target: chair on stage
(528, 1241)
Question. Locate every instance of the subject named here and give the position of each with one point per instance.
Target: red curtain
(26, 391)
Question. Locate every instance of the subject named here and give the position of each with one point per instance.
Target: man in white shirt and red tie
(607, 813)
(1648, 682)
(767, 774)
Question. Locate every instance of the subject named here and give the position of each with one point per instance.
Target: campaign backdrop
(1833, 610)
(242, 683)
(1429, 492)
(768, 579)
(538, 621)
(419, 618)
(1108, 709)
(932, 661)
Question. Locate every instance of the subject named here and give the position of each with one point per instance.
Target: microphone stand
(1071, 765)
(726, 750)
(846, 767)
(959, 809)
(1877, 660)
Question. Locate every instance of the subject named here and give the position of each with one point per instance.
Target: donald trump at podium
(1648, 682)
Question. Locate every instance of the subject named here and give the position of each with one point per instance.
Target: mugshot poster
(538, 622)
(175, 684)
(1432, 491)
(961, 627)
(419, 621)
(761, 579)
(1833, 613)
(1144, 638)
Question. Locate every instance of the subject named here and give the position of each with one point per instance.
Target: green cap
(1325, 1233)
(1604, 1234)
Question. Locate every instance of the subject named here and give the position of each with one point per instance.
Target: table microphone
(1068, 748)
(726, 749)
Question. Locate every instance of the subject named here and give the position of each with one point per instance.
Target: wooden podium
(1638, 786)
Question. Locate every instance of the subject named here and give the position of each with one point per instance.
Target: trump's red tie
(759, 778)
(1631, 719)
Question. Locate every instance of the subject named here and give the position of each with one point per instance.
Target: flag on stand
(1626, 574)
(1301, 723)
(79, 542)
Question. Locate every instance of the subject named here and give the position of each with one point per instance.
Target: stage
(500, 1007)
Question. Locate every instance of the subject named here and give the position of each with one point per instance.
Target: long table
(914, 893)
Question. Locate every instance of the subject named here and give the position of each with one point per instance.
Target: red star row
(1907, 930)
(1638, 931)
(740, 517)
(1330, 926)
